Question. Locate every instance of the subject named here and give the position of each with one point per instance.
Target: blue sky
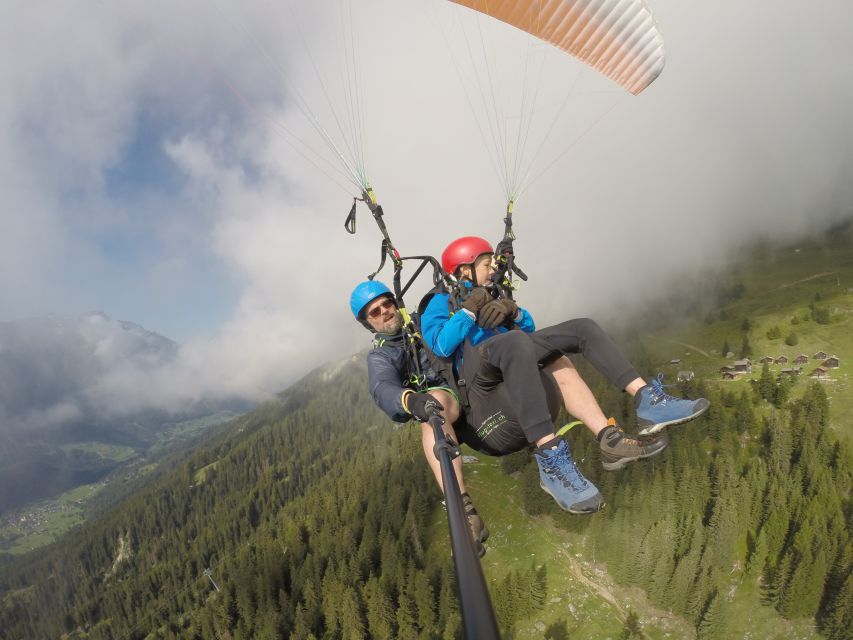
(137, 182)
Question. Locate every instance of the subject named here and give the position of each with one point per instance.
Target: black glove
(475, 300)
(511, 308)
(492, 314)
(417, 405)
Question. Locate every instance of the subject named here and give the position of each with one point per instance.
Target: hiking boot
(618, 448)
(657, 409)
(560, 477)
(479, 531)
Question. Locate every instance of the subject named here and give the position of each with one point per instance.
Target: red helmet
(463, 251)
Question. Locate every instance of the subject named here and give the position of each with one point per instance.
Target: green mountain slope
(318, 518)
(791, 301)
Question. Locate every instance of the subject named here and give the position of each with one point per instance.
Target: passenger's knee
(514, 340)
(512, 345)
(588, 324)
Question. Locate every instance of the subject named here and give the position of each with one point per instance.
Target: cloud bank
(148, 168)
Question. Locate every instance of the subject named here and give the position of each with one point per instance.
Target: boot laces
(657, 392)
(563, 467)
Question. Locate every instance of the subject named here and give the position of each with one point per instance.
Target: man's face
(484, 267)
(382, 315)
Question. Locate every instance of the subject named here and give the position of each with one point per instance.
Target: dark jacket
(389, 374)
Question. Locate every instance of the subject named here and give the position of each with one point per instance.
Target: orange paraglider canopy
(618, 38)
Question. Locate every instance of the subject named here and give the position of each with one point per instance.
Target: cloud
(146, 168)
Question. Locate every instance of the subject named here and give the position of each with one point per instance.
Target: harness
(413, 344)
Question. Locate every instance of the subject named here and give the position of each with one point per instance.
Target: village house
(801, 359)
(732, 375)
(743, 365)
(790, 371)
(820, 372)
(766, 360)
(832, 362)
(820, 355)
(781, 360)
(726, 368)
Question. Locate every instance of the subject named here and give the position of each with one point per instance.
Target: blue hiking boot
(560, 477)
(657, 409)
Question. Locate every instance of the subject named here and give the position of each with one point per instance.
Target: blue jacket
(445, 333)
(389, 375)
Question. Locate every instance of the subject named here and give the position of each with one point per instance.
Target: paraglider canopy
(617, 38)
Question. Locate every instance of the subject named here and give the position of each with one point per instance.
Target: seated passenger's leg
(560, 477)
(617, 448)
(513, 354)
(586, 337)
(657, 409)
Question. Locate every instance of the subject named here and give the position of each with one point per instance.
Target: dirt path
(684, 344)
(814, 277)
(563, 553)
(622, 599)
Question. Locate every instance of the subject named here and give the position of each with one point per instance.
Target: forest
(310, 514)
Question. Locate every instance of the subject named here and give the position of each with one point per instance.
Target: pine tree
(837, 622)
(632, 628)
(380, 611)
(783, 391)
(767, 383)
(351, 616)
(745, 347)
(406, 618)
(713, 625)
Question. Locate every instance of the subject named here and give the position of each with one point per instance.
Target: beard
(393, 325)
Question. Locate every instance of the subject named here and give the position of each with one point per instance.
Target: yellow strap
(566, 428)
(404, 400)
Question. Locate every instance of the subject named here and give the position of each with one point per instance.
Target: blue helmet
(364, 294)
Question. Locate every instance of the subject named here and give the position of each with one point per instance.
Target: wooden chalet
(820, 372)
(832, 362)
(766, 360)
(732, 375)
(820, 355)
(790, 371)
(744, 366)
(781, 360)
(801, 359)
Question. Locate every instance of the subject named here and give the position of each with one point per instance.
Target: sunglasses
(376, 311)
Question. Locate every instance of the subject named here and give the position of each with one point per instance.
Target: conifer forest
(307, 517)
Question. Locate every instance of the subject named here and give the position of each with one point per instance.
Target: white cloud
(745, 135)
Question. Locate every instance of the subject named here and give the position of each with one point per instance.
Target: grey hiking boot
(618, 448)
(479, 531)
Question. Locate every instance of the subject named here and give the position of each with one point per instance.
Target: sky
(149, 170)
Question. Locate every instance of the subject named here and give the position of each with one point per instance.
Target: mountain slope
(317, 517)
(62, 424)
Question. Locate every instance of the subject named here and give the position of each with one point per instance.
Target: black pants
(510, 401)
(586, 337)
